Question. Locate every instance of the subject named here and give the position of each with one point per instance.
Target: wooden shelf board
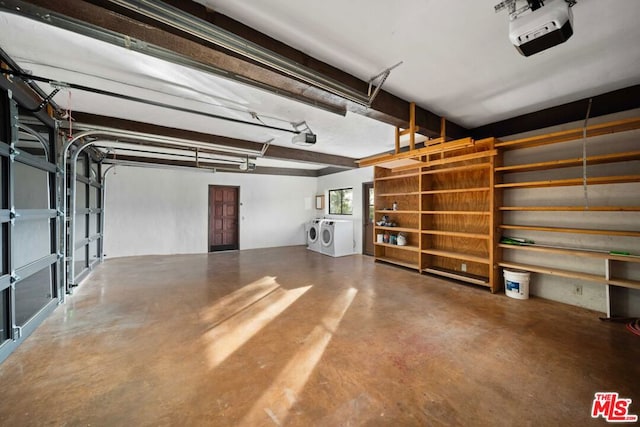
(465, 168)
(412, 193)
(572, 208)
(456, 212)
(413, 266)
(572, 230)
(393, 177)
(554, 271)
(405, 247)
(624, 258)
(407, 167)
(460, 158)
(457, 234)
(572, 274)
(570, 135)
(457, 190)
(398, 164)
(574, 252)
(458, 275)
(405, 229)
(626, 283)
(456, 255)
(555, 164)
(388, 211)
(572, 181)
(396, 160)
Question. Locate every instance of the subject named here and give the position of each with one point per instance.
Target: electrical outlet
(463, 267)
(577, 290)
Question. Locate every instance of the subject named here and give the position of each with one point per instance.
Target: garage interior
(162, 164)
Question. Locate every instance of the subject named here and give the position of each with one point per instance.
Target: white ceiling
(457, 62)
(457, 58)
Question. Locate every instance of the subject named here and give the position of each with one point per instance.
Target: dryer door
(327, 236)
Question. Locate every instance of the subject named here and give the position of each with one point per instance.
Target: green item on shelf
(516, 241)
(619, 253)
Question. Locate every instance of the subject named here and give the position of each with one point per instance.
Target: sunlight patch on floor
(276, 402)
(238, 300)
(240, 325)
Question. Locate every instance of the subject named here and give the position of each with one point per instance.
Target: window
(341, 201)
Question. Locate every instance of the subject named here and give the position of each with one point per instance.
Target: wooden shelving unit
(458, 215)
(450, 206)
(446, 209)
(400, 187)
(509, 178)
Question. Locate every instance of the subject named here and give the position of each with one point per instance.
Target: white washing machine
(336, 237)
(313, 235)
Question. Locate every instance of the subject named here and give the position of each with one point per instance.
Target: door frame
(365, 217)
(238, 205)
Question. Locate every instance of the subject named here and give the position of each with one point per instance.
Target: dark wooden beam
(330, 170)
(606, 103)
(386, 108)
(219, 167)
(273, 152)
(265, 170)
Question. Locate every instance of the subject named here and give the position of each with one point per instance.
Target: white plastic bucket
(516, 283)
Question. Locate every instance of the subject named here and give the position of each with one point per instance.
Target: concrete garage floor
(286, 336)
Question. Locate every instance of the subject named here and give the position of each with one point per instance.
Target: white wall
(349, 179)
(161, 211)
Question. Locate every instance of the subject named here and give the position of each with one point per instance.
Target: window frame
(341, 198)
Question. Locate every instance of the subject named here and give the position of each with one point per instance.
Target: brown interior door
(223, 218)
(367, 218)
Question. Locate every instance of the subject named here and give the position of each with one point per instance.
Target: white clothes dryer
(336, 237)
(313, 235)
